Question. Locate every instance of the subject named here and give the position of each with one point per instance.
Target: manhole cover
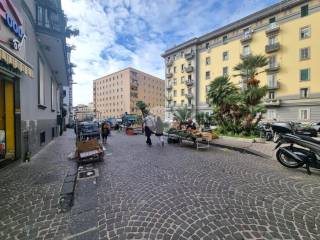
(91, 173)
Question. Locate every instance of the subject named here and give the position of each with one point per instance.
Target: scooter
(302, 150)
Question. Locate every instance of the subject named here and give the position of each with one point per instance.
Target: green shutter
(304, 11)
(304, 75)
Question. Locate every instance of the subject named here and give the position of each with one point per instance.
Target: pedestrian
(159, 131)
(148, 127)
(105, 130)
(191, 125)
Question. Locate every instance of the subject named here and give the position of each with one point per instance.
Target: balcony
(273, 67)
(188, 69)
(246, 38)
(51, 34)
(189, 56)
(244, 55)
(272, 102)
(189, 83)
(169, 86)
(273, 86)
(134, 95)
(169, 98)
(189, 95)
(272, 47)
(169, 63)
(273, 28)
(169, 75)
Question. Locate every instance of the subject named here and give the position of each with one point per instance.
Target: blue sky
(115, 34)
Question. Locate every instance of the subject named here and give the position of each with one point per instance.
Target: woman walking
(148, 127)
(105, 132)
(159, 131)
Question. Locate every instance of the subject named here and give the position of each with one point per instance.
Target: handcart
(88, 151)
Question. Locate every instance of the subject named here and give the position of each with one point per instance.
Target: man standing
(148, 127)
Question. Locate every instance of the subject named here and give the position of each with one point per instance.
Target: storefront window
(2, 122)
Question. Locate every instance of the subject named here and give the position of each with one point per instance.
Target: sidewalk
(30, 193)
(260, 149)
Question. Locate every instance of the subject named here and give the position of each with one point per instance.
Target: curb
(67, 191)
(242, 150)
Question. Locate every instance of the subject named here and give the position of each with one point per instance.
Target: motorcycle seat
(310, 139)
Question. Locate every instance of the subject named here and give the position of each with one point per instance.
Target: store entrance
(7, 128)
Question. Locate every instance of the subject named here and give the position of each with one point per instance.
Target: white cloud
(115, 34)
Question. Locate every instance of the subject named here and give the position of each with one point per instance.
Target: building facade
(286, 32)
(84, 112)
(33, 69)
(117, 93)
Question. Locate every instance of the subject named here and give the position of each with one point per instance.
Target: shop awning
(16, 62)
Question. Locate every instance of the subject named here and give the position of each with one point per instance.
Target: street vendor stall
(201, 140)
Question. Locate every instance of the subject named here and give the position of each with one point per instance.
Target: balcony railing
(273, 67)
(272, 102)
(189, 95)
(188, 69)
(244, 55)
(169, 98)
(272, 47)
(273, 86)
(169, 86)
(50, 18)
(246, 37)
(189, 82)
(169, 75)
(273, 28)
(189, 55)
(169, 62)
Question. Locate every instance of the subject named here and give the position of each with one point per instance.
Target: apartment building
(117, 93)
(33, 69)
(84, 112)
(286, 32)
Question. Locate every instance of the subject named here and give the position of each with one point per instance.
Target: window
(305, 32)
(174, 69)
(224, 39)
(182, 79)
(182, 67)
(225, 56)
(272, 61)
(207, 45)
(182, 102)
(207, 88)
(304, 114)
(182, 92)
(304, 10)
(271, 114)
(272, 80)
(174, 93)
(304, 92)
(181, 53)
(207, 60)
(41, 79)
(174, 103)
(207, 75)
(272, 20)
(305, 74)
(174, 82)
(246, 50)
(304, 53)
(189, 77)
(225, 71)
(272, 95)
(42, 138)
(272, 40)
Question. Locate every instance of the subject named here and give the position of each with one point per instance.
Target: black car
(305, 130)
(89, 130)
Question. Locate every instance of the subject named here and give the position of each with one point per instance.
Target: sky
(115, 34)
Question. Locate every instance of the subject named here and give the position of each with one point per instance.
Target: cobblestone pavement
(180, 193)
(29, 194)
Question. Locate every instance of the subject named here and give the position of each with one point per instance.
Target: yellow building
(286, 32)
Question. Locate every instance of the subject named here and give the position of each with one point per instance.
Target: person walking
(105, 132)
(148, 127)
(159, 131)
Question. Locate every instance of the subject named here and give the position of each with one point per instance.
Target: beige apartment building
(117, 93)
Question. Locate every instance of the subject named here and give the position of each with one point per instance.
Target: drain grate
(90, 173)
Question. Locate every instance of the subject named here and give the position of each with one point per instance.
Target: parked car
(89, 129)
(316, 126)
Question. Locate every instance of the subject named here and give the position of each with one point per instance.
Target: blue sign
(14, 27)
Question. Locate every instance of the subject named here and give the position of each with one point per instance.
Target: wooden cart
(89, 151)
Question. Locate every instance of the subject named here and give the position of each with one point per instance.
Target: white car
(316, 126)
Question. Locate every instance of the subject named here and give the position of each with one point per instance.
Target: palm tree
(182, 114)
(249, 66)
(143, 107)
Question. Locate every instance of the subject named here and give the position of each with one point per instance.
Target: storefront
(7, 122)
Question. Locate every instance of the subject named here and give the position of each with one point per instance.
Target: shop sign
(13, 22)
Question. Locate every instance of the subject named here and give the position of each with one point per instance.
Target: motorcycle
(302, 150)
(265, 131)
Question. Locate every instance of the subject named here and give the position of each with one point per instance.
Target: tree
(143, 107)
(182, 114)
(249, 69)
